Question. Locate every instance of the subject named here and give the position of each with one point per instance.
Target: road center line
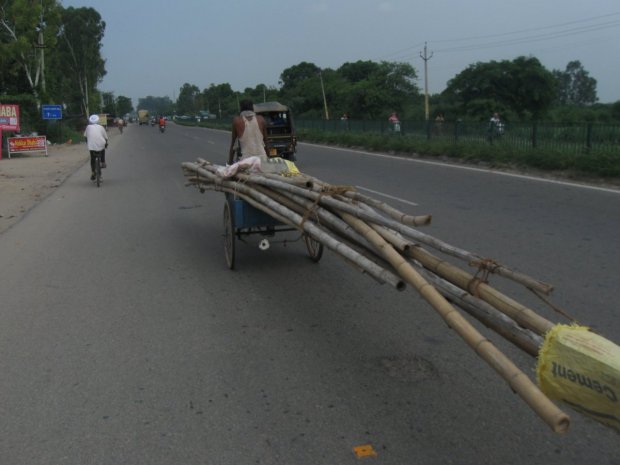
(398, 199)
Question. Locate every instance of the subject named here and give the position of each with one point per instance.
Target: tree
(109, 103)
(292, 77)
(220, 99)
(190, 100)
(27, 30)
(79, 50)
(124, 105)
(376, 89)
(157, 105)
(522, 87)
(575, 86)
(615, 110)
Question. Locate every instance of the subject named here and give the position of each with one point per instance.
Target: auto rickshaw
(280, 129)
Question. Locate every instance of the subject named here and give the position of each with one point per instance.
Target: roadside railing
(574, 138)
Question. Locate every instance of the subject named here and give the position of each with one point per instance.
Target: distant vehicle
(103, 119)
(280, 129)
(143, 117)
(206, 115)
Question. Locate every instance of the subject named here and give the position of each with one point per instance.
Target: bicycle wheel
(98, 170)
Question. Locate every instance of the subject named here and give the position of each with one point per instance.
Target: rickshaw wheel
(229, 237)
(315, 248)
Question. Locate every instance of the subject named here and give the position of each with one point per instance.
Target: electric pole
(426, 57)
(324, 99)
(40, 45)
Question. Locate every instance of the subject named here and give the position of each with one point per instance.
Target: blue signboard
(51, 111)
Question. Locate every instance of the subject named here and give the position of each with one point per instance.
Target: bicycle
(97, 156)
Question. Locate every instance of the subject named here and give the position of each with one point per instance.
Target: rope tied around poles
(486, 266)
(326, 191)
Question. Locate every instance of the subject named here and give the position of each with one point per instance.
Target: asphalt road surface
(124, 338)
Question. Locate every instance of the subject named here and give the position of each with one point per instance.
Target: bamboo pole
(488, 315)
(518, 312)
(516, 379)
(350, 213)
(409, 220)
(419, 236)
(499, 322)
(280, 212)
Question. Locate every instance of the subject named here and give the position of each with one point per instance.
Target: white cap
(94, 119)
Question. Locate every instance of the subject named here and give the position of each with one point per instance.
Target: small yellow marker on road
(364, 451)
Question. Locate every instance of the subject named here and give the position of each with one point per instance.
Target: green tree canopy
(109, 103)
(376, 89)
(363, 89)
(522, 87)
(79, 57)
(220, 99)
(27, 30)
(190, 100)
(123, 105)
(156, 105)
(292, 77)
(575, 86)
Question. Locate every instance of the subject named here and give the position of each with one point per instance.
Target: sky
(153, 47)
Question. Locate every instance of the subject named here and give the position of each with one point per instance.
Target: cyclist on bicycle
(97, 141)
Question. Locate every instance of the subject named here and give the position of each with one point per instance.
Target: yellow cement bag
(277, 165)
(292, 169)
(582, 369)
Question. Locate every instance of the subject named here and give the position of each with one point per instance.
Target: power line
(490, 36)
(401, 54)
(536, 38)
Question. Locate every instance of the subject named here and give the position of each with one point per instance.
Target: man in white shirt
(251, 131)
(97, 141)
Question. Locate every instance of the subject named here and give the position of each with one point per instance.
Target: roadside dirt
(26, 179)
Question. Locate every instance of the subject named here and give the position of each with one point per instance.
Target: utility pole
(426, 57)
(324, 99)
(41, 46)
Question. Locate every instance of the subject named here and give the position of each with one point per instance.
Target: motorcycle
(162, 128)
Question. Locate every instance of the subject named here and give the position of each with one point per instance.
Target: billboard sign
(9, 117)
(27, 144)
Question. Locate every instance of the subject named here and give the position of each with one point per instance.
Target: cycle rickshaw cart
(241, 220)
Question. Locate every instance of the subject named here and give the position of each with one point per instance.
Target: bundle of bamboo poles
(385, 243)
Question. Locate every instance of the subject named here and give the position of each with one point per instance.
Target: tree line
(52, 54)
(520, 90)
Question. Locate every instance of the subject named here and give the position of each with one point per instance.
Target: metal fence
(574, 138)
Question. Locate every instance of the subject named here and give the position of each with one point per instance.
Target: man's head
(246, 105)
(93, 119)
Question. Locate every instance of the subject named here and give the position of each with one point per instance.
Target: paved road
(126, 340)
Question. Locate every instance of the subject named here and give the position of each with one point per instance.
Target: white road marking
(398, 199)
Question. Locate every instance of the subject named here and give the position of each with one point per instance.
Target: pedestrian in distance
(394, 122)
(439, 120)
(496, 127)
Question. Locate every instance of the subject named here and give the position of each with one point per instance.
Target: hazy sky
(153, 47)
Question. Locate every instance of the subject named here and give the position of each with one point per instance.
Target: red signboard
(27, 144)
(9, 117)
